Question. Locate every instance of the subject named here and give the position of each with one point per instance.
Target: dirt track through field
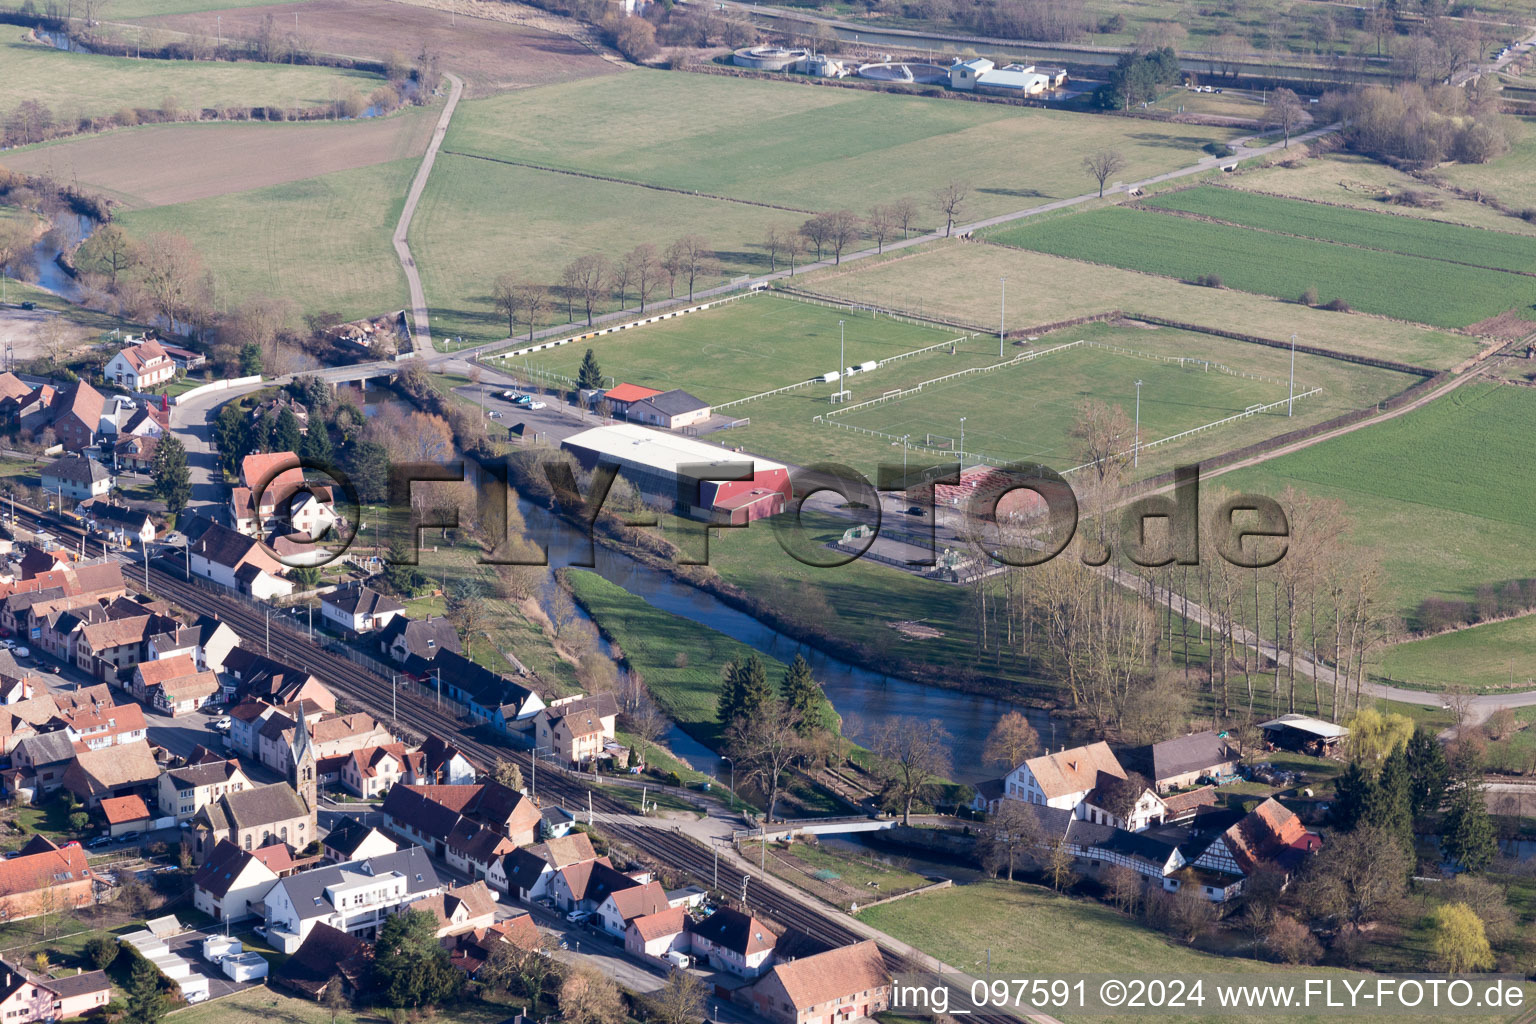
(161, 164)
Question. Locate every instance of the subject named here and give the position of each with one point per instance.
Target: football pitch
(750, 346)
(1025, 412)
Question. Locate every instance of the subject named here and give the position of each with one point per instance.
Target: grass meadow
(1437, 493)
(124, 9)
(679, 659)
(1495, 657)
(322, 242)
(1411, 236)
(959, 281)
(1022, 411)
(1512, 177)
(812, 148)
(1031, 931)
(747, 347)
(78, 85)
(1349, 179)
(1392, 284)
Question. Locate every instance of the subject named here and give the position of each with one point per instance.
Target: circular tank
(916, 72)
(768, 58)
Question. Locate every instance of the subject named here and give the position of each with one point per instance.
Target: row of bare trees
(592, 279)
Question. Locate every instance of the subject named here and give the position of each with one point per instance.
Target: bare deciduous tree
(912, 756)
(950, 199)
(692, 258)
(584, 279)
(903, 213)
(1289, 112)
(1103, 164)
(1012, 741)
(647, 271)
(767, 744)
(881, 225)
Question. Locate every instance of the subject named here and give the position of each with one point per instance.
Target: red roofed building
(840, 985)
(658, 934)
(140, 366)
(61, 871)
(1269, 837)
(126, 814)
(619, 399)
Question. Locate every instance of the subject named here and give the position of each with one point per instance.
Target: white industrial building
(652, 462)
(981, 75)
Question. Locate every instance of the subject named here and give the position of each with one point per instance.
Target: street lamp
(904, 439)
(962, 438)
(1290, 402)
(733, 780)
(1002, 315)
(1136, 447)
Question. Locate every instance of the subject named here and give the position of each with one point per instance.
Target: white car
(536, 404)
(22, 652)
(493, 414)
(578, 916)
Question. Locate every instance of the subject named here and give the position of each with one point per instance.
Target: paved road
(419, 313)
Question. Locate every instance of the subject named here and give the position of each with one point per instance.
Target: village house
(104, 725)
(472, 848)
(40, 761)
(27, 997)
(355, 897)
(12, 390)
(460, 909)
(186, 790)
(272, 682)
(625, 905)
(414, 643)
(233, 881)
(331, 735)
(127, 769)
(1180, 763)
(489, 696)
(73, 414)
(525, 873)
(658, 934)
(232, 560)
(587, 885)
(25, 718)
(670, 410)
(75, 478)
(468, 951)
(105, 649)
(178, 688)
(430, 814)
(840, 985)
(576, 729)
(326, 956)
(350, 839)
(735, 942)
(359, 609)
(51, 879)
(119, 523)
(370, 771)
(134, 454)
(440, 763)
(1270, 837)
(1076, 780)
(140, 367)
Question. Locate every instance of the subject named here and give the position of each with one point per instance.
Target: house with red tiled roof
(141, 366)
(126, 814)
(74, 416)
(834, 987)
(620, 398)
(469, 951)
(429, 814)
(97, 775)
(624, 905)
(658, 934)
(1270, 837)
(62, 873)
(370, 771)
(460, 909)
(735, 942)
(98, 725)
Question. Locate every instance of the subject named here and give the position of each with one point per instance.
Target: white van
(679, 961)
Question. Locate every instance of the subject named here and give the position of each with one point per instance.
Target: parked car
(99, 842)
(55, 669)
(260, 930)
(535, 404)
(510, 395)
(494, 414)
(578, 916)
(128, 837)
(22, 652)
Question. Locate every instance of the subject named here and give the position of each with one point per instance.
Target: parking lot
(189, 946)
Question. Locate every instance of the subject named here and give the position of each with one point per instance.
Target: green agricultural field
(1025, 412)
(1512, 177)
(809, 148)
(1409, 287)
(1032, 932)
(1499, 656)
(479, 219)
(1438, 493)
(322, 243)
(958, 282)
(1411, 236)
(1350, 179)
(77, 85)
(749, 346)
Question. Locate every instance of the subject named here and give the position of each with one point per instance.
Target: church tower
(302, 775)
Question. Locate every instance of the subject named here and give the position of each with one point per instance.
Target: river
(863, 697)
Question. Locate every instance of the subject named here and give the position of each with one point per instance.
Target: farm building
(1308, 735)
(653, 461)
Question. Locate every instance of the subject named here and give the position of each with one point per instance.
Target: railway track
(377, 694)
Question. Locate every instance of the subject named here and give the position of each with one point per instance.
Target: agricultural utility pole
(1136, 447)
(1001, 316)
(1291, 402)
